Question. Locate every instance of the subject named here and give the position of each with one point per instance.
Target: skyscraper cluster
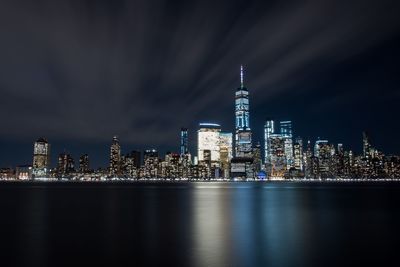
(222, 155)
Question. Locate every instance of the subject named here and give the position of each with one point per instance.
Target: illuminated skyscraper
(130, 164)
(208, 149)
(226, 143)
(366, 145)
(41, 158)
(308, 161)
(170, 167)
(269, 128)
(225, 148)
(65, 164)
(323, 151)
(278, 164)
(136, 158)
(257, 159)
(286, 128)
(287, 134)
(340, 161)
(298, 153)
(317, 147)
(115, 157)
(243, 144)
(84, 163)
(151, 162)
(184, 141)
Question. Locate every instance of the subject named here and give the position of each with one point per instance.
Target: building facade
(41, 158)
(243, 138)
(208, 144)
(84, 166)
(184, 142)
(115, 158)
(226, 153)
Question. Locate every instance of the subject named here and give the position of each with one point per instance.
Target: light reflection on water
(201, 224)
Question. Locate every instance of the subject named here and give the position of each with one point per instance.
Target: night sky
(79, 72)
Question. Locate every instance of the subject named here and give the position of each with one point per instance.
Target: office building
(287, 134)
(243, 138)
(278, 164)
(115, 158)
(66, 164)
(298, 153)
(23, 172)
(208, 144)
(41, 158)
(84, 164)
(225, 148)
(151, 163)
(269, 128)
(257, 159)
(184, 141)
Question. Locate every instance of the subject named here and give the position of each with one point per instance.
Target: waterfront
(199, 224)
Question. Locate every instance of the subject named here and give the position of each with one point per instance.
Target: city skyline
(281, 154)
(189, 140)
(143, 70)
(199, 133)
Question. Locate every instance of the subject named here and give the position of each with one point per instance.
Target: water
(199, 224)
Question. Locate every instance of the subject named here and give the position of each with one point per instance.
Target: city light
(222, 156)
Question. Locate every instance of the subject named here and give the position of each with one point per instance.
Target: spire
(241, 76)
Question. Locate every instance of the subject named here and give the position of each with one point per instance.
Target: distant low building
(23, 172)
(6, 173)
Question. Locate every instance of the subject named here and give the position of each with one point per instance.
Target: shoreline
(164, 181)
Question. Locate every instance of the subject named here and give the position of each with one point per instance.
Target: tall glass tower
(184, 141)
(287, 134)
(115, 157)
(243, 143)
(269, 129)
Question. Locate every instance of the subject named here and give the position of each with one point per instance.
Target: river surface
(200, 224)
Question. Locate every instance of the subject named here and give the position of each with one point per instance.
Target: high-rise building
(115, 157)
(257, 160)
(225, 148)
(278, 165)
(151, 163)
(243, 143)
(84, 163)
(184, 141)
(323, 151)
(308, 161)
(269, 128)
(170, 167)
(286, 128)
(318, 145)
(340, 148)
(130, 164)
(366, 145)
(65, 164)
(41, 158)
(226, 144)
(208, 149)
(298, 153)
(340, 161)
(287, 134)
(135, 155)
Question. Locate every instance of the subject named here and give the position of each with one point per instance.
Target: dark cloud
(86, 70)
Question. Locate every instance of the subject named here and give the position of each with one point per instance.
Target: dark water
(201, 224)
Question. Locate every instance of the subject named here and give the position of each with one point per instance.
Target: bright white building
(208, 141)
